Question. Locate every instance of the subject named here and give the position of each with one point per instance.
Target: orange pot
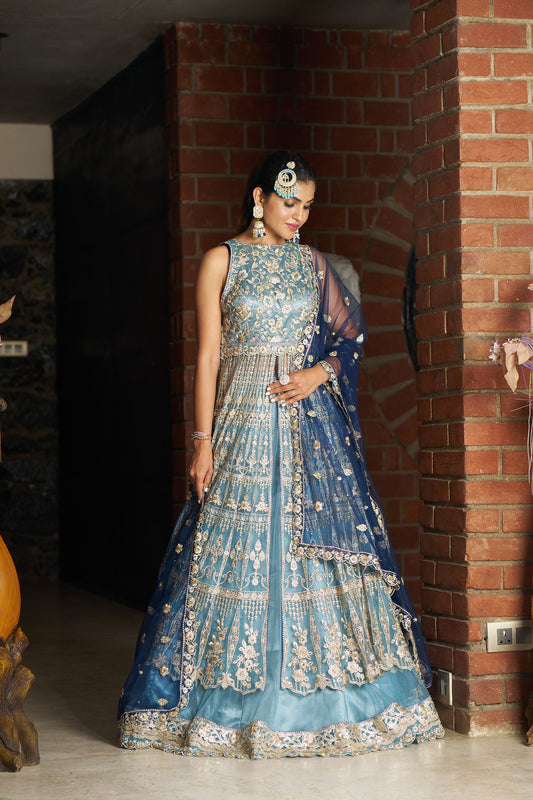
(9, 593)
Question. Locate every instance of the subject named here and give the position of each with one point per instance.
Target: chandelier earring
(258, 231)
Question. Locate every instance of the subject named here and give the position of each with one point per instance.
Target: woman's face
(283, 216)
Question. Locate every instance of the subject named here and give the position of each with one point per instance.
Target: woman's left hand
(301, 384)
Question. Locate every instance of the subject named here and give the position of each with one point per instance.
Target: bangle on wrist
(201, 435)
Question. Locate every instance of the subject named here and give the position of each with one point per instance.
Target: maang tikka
(258, 230)
(286, 184)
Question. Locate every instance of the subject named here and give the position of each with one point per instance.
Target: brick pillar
(473, 131)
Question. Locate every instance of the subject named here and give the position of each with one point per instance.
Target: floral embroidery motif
(257, 557)
(260, 307)
(214, 651)
(301, 661)
(346, 646)
(248, 660)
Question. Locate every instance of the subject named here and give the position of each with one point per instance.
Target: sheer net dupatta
(342, 518)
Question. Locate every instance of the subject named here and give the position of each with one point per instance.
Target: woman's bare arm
(210, 282)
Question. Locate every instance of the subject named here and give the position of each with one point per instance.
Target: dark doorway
(112, 304)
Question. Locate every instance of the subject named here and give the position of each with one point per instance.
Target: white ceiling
(60, 51)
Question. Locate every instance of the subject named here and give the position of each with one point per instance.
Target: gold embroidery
(247, 661)
(358, 638)
(301, 662)
(394, 728)
(214, 651)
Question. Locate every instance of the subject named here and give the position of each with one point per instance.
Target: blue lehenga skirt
(389, 711)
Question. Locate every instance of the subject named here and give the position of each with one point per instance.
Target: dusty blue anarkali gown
(280, 625)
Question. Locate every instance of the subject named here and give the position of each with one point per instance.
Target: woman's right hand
(201, 469)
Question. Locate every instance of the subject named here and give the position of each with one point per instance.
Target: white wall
(26, 152)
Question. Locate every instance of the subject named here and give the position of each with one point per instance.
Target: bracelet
(201, 435)
(328, 369)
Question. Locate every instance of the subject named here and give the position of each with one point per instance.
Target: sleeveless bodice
(268, 301)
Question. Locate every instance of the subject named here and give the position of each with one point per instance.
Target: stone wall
(28, 488)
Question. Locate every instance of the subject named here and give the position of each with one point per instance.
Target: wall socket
(509, 634)
(9, 349)
(444, 687)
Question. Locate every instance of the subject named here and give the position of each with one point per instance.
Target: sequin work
(246, 619)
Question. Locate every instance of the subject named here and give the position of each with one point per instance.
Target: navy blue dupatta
(342, 514)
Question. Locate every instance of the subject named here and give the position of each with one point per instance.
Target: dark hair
(264, 175)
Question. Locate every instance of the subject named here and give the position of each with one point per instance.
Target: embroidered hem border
(393, 729)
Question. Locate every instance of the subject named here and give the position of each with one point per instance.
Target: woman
(280, 625)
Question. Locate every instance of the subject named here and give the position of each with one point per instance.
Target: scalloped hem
(394, 728)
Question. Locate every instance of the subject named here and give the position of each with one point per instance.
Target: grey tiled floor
(80, 650)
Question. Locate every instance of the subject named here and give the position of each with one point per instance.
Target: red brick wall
(472, 81)
(344, 99)
(388, 384)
